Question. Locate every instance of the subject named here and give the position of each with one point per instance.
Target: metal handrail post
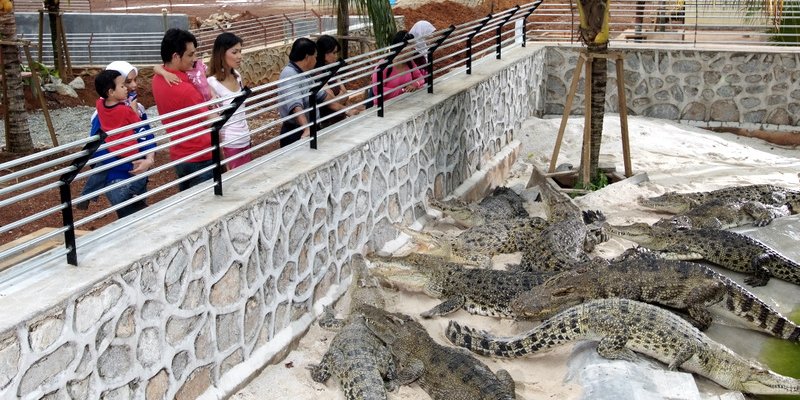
(216, 151)
(292, 25)
(66, 196)
(319, 20)
(432, 49)
(382, 67)
(69, 221)
(499, 32)
(312, 100)
(525, 22)
(477, 30)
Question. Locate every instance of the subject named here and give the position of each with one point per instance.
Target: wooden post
(587, 121)
(576, 75)
(6, 124)
(36, 86)
(64, 46)
(623, 116)
(58, 51)
(41, 35)
(623, 112)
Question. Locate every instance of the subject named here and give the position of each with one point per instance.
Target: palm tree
(593, 31)
(379, 12)
(18, 134)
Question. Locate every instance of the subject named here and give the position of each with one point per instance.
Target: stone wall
(754, 90)
(194, 306)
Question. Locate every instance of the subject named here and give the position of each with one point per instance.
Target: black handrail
(499, 32)
(525, 21)
(65, 194)
(312, 100)
(477, 30)
(216, 149)
(432, 49)
(381, 67)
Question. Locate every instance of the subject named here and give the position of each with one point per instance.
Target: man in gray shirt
(302, 58)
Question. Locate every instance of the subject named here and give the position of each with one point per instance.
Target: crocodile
(502, 204)
(570, 234)
(723, 214)
(480, 243)
(445, 373)
(642, 276)
(768, 195)
(623, 327)
(727, 249)
(359, 361)
(478, 291)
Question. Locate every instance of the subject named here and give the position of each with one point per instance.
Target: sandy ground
(675, 157)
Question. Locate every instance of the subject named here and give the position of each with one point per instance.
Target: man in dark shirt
(302, 58)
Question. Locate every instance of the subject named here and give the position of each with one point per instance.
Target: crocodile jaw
(408, 279)
(639, 232)
(762, 381)
(668, 202)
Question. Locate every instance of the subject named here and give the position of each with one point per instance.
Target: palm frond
(379, 12)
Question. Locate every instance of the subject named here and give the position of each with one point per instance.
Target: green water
(783, 357)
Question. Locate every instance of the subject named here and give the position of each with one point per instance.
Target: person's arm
(301, 120)
(171, 78)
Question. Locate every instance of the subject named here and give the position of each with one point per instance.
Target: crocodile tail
(479, 342)
(741, 302)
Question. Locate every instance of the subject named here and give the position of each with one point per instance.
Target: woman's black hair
(400, 37)
(222, 44)
(325, 44)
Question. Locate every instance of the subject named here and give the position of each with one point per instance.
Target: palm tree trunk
(18, 135)
(343, 24)
(599, 78)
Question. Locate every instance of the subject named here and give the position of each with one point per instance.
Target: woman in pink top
(396, 78)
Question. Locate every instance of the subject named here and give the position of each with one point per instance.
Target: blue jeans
(187, 168)
(125, 192)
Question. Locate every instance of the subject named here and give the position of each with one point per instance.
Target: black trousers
(286, 127)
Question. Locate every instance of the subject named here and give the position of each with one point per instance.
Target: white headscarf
(123, 67)
(420, 30)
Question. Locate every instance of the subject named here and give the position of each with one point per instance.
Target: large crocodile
(445, 373)
(729, 250)
(623, 326)
(502, 204)
(478, 291)
(768, 195)
(359, 361)
(642, 276)
(480, 243)
(570, 234)
(723, 214)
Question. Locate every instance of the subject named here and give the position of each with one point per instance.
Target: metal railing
(449, 51)
(143, 48)
(695, 22)
(264, 30)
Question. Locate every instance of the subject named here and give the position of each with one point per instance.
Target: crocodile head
(464, 214)
(759, 380)
(562, 291)
(638, 232)
(390, 327)
(413, 272)
(669, 202)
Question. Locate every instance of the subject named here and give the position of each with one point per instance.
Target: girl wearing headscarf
(420, 31)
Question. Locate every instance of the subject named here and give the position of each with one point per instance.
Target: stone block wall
(188, 318)
(263, 65)
(754, 90)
